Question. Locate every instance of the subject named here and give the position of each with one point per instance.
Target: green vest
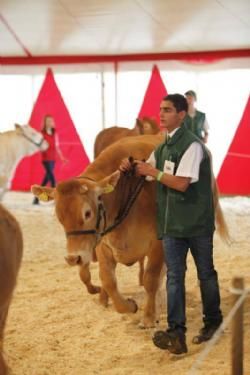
(189, 213)
(196, 124)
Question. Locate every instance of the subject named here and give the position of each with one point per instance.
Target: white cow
(14, 145)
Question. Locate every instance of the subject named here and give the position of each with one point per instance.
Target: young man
(195, 121)
(185, 220)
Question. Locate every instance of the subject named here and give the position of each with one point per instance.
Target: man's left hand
(145, 169)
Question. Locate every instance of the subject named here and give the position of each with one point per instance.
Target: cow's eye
(99, 198)
(87, 214)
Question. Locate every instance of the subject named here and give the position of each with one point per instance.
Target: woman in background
(49, 156)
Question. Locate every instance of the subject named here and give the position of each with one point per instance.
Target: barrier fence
(239, 294)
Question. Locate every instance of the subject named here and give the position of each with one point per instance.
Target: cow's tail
(221, 225)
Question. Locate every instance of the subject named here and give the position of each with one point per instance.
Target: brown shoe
(205, 334)
(172, 340)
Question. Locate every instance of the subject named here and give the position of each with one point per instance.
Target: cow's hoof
(134, 305)
(146, 325)
(103, 298)
(93, 289)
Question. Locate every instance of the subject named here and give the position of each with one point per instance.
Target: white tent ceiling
(113, 27)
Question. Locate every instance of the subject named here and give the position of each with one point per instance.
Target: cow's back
(108, 136)
(11, 250)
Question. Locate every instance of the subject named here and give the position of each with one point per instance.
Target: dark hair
(44, 123)
(191, 93)
(179, 101)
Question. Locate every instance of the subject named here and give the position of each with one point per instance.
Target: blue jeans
(175, 254)
(49, 166)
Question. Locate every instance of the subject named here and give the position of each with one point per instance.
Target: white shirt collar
(173, 132)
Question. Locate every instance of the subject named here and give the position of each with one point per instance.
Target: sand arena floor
(56, 328)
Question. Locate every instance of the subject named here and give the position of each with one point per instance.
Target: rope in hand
(130, 187)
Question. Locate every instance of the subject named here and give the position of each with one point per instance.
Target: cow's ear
(18, 127)
(114, 178)
(83, 189)
(139, 126)
(43, 193)
(108, 184)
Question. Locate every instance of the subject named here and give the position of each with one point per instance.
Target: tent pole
(103, 99)
(116, 92)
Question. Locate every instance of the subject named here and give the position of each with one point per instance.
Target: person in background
(195, 120)
(185, 220)
(49, 156)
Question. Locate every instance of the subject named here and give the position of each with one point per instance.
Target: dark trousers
(49, 166)
(175, 254)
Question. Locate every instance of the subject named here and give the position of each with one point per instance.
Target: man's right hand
(125, 165)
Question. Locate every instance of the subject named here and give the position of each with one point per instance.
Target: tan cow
(79, 204)
(11, 250)
(108, 136)
(14, 145)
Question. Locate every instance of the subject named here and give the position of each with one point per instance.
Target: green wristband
(159, 176)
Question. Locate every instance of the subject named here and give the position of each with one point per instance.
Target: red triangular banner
(153, 96)
(234, 174)
(30, 170)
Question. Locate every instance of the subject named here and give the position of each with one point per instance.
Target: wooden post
(237, 330)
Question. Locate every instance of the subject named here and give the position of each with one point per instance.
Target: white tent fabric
(94, 27)
(103, 93)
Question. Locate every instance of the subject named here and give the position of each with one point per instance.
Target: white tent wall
(96, 97)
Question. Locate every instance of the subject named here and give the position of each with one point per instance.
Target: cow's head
(147, 126)
(34, 138)
(77, 205)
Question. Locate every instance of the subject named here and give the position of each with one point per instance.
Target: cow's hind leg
(151, 283)
(107, 265)
(86, 279)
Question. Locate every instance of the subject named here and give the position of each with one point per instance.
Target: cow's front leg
(4, 186)
(3, 190)
(107, 265)
(151, 283)
(104, 297)
(141, 271)
(86, 279)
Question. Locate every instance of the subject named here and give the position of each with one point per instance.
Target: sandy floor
(56, 328)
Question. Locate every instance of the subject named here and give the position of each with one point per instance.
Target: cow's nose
(73, 260)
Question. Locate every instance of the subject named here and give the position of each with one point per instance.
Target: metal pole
(103, 99)
(116, 92)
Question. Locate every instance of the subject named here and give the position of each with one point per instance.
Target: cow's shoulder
(110, 158)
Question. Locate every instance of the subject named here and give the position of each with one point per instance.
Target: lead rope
(132, 195)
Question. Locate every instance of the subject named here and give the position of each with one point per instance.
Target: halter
(38, 144)
(101, 212)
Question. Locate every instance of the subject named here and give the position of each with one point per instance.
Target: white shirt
(189, 165)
